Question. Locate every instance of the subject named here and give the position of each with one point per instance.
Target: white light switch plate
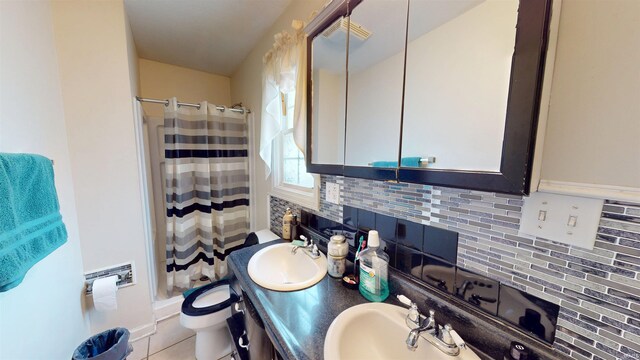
(333, 193)
(566, 219)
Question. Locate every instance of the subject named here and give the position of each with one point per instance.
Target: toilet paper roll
(104, 293)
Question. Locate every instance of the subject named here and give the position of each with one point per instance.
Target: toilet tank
(266, 235)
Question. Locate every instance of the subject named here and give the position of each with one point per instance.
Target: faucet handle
(445, 334)
(457, 339)
(405, 300)
(413, 317)
(451, 337)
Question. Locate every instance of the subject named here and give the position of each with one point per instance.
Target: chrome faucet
(428, 325)
(444, 338)
(307, 244)
(309, 248)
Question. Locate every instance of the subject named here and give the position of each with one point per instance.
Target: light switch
(333, 193)
(555, 217)
(542, 215)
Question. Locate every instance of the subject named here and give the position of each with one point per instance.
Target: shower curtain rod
(221, 108)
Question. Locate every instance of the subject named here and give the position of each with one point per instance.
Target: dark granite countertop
(297, 321)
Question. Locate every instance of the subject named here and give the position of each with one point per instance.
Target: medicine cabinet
(434, 92)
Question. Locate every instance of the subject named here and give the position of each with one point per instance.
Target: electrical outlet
(566, 219)
(333, 193)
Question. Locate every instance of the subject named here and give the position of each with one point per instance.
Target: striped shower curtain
(207, 191)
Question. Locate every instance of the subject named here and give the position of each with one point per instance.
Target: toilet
(206, 310)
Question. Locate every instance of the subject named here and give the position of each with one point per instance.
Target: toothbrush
(359, 247)
(356, 270)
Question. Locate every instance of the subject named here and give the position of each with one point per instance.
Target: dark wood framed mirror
(375, 82)
(326, 72)
(511, 172)
(509, 168)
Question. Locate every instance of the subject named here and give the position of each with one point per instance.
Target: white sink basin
(378, 331)
(276, 268)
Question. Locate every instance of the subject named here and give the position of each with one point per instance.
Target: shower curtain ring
(222, 108)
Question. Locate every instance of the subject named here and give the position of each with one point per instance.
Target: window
(290, 179)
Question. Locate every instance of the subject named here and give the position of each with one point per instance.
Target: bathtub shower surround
(598, 290)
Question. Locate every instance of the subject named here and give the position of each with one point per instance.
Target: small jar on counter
(337, 251)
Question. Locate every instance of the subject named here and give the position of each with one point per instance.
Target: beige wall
(162, 81)
(42, 318)
(594, 117)
(246, 86)
(132, 60)
(97, 91)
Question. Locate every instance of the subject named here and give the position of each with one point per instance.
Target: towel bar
(423, 161)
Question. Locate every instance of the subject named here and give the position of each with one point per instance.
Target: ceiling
(208, 35)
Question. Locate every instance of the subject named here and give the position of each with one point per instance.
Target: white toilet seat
(207, 309)
(208, 299)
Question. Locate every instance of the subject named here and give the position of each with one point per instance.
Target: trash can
(112, 344)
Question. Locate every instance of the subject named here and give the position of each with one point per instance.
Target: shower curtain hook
(223, 108)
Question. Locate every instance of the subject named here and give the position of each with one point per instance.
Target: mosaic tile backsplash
(598, 290)
(429, 254)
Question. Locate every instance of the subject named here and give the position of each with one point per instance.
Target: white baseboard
(167, 308)
(162, 310)
(153, 338)
(169, 332)
(142, 331)
(608, 192)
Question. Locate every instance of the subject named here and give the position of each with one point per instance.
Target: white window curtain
(283, 72)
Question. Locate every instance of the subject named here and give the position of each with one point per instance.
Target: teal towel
(384, 164)
(190, 291)
(405, 162)
(411, 161)
(30, 222)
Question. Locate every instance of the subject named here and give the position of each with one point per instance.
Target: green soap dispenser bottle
(374, 263)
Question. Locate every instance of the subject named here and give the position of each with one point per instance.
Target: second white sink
(277, 268)
(378, 331)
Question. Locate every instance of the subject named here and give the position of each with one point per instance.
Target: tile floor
(184, 350)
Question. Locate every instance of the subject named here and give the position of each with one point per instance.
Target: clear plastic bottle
(374, 263)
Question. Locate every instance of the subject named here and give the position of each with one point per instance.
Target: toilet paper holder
(124, 273)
